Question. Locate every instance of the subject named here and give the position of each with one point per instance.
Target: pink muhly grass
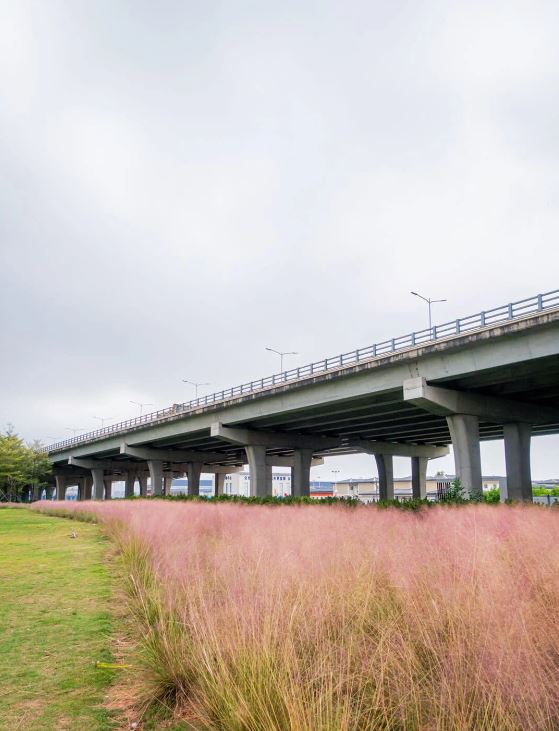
(317, 618)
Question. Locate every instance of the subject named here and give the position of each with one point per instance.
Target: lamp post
(193, 383)
(429, 303)
(74, 431)
(102, 419)
(281, 354)
(141, 405)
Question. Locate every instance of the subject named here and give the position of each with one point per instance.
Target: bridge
(492, 375)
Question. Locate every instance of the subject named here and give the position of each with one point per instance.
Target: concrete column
(129, 483)
(193, 472)
(464, 432)
(517, 457)
(155, 467)
(260, 472)
(87, 487)
(143, 482)
(168, 483)
(36, 492)
(301, 472)
(385, 470)
(219, 483)
(108, 488)
(48, 493)
(419, 477)
(98, 484)
(60, 487)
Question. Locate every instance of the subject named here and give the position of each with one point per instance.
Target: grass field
(54, 624)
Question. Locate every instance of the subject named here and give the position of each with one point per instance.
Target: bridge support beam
(155, 467)
(219, 483)
(260, 471)
(385, 476)
(48, 493)
(464, 432)
(98, 484)
(193, 472)
(301, 472)
(129, 482)
(517, 458)
(60, 487)
(419, 477)
(108, 488)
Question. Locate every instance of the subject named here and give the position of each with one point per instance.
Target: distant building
(367, 489)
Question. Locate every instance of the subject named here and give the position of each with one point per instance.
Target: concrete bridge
(493, 375)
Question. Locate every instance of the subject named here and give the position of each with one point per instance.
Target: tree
(21, 466)
(12, 465)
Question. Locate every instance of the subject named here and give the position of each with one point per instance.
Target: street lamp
(102, 419)
(429, 302)
(193, 383)
(74, 431)
(281, 354)
(137, 403)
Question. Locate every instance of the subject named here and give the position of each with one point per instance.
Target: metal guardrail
(486, 318)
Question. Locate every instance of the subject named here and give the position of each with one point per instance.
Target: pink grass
(256, 617)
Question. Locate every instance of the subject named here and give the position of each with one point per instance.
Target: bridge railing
(504, 313)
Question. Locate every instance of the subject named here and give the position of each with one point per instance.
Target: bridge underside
(383, 417)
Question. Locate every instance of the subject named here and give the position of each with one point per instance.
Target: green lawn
(54, 624)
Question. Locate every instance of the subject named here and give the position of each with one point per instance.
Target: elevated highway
(493, 375)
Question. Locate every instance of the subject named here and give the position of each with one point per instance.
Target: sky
(184, 184)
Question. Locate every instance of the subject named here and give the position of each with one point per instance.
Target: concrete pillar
(60, 487)
(87, 484)
(108, 488)
(419, 477)
(155, 467)
(35, 492)
(193, 472)
(464, 432)
(219, 483)
(143, 482)
(385, 470)
(168, 483)
(260, 472)
(98, 484)
(517, 458)
(129, 484)
(48, 492)
(301, 472)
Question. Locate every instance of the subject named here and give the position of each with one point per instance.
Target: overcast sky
(185, 183)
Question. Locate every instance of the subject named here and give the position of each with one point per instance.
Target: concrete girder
(92, 464)
(399, 450)
(270, 439)
(171, 455)
(446, 401)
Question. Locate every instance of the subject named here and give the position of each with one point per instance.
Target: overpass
(492, 375)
